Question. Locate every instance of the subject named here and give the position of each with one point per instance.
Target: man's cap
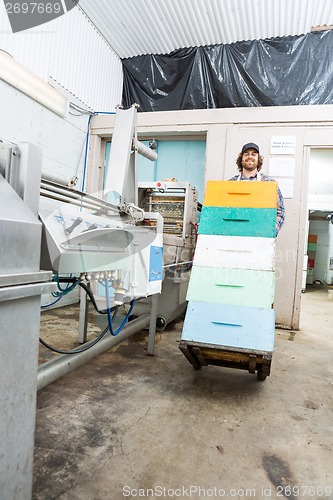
(250, 145)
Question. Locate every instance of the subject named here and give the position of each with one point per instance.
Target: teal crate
(244, 287)
(257, 222)
(312, 247)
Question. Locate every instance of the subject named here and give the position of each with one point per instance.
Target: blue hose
(62, 292)
(87, 143)
(107, 296)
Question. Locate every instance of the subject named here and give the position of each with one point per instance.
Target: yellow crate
(247, 194)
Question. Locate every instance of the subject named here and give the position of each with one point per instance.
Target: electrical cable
(62, 291)
(195, 227)
(46, 306)
(75, 282)
(101, 335)
(173, 268)
(73, 351)
(86, 155)
(87, 143)
(69, 288)
(81, 349)
(92, 298)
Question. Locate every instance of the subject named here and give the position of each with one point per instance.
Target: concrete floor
(127, 425)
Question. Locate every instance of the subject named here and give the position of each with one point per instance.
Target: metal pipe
(48, 186)
(176, 264)
(54, 369)
(77, 201)
(62, 198)
(148, 153)
(68, 193)
(59, 179)
(152, 325)
(69, 196)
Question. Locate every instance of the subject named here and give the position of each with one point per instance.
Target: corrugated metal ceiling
(136, 27)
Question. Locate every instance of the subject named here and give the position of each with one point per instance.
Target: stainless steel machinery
(103, 241)
(177, 202)
(21, 286)
(53, 233)
(84, 236)
(106, 236)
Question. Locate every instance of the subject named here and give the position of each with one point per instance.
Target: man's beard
(250, 167)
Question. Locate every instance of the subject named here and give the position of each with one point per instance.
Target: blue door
(182, 160)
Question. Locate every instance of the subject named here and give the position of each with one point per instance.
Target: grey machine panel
(21, 286)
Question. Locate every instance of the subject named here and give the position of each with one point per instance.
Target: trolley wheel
(262, 373)
(160, 323)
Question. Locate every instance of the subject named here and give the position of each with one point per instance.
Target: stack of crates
(312, 243)
(231, 290)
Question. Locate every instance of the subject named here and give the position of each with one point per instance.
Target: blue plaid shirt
(280, 212)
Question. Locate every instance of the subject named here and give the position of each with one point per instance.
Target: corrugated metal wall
(136, 27)
(74, 53)
(71, 52)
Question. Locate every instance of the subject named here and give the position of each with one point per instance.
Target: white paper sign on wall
(283, 145)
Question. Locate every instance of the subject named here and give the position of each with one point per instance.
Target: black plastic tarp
(284, 71)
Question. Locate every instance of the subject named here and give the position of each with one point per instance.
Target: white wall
(62, 140)
(324, 249)
(320, 200)
(330, 255)
(69, 53)
(73, 57)
(321, 179)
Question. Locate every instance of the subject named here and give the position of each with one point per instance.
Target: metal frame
(200, 354)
